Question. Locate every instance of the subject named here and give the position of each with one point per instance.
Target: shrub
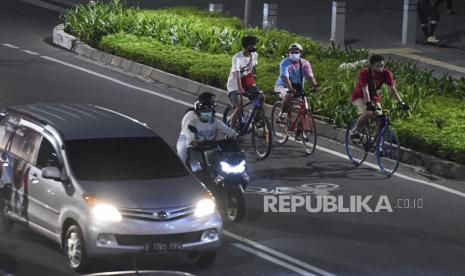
(197, 44)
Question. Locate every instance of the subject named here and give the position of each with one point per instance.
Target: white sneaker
(355, 135)
(432, 39)
(282, 117)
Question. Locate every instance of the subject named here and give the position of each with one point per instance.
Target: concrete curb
(63, 39)
(432, 164)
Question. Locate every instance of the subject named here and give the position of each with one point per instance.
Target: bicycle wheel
(357, 151)
(227, 115)
(262, 137)
(388, 151)
(308, 132)
(280, 129)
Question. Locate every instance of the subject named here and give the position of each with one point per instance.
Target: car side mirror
(51, 173)
(193, 129)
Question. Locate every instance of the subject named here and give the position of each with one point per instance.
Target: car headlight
(227, 168)
(205, 206)
(101, 210)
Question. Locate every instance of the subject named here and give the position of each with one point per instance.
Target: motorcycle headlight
(205, 206)
(102, 211)
(227, 168)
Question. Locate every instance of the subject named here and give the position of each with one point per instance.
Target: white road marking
(272, 259)
(30, 52)
(403, 176)
(44, 5)
(117, 81)
(228, 233)
(277, 253)
(10, 46)
(368, 164)
(344, 156)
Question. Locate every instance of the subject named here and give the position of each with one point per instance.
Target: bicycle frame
(386, 122)
(257, 105)
(303, 107)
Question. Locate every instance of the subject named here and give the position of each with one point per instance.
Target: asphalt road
(406, 241)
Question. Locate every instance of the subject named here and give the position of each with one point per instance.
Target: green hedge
(200, 30)
(195, 44)
(437, 129)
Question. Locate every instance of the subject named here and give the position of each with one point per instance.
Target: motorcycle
(223, 171)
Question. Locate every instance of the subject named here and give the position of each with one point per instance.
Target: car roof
(83, 121)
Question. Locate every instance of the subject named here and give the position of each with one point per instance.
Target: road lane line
(403, 176)
(30, 52)
(117, 81)
(272, 259)
(276, 253)
(44, 5)
(10, 46)
(344, 156)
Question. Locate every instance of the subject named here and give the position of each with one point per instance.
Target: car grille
(158, 214)
(131, 240)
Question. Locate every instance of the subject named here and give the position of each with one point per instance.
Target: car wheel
(74, 249)
(201, 259)
(5, 223)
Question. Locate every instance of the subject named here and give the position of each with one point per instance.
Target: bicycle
(303, 122)
(385, 143)
(253, 121)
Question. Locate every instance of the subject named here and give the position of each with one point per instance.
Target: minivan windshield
(133, 158)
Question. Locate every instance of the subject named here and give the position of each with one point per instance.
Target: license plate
(163, 246)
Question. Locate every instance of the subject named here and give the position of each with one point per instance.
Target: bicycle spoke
(388, 152)
(357, 151)
(279, 127)
(308, 133)
(262, 137)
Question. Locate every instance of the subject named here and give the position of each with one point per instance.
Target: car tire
(201, 259)
(74, 248)
(5, 223)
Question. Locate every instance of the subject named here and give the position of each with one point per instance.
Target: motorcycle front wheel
(234, 205)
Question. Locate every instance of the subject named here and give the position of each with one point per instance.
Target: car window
(47, 156)
(25, 143)
(17, 141)
(6, 129)
(132, 158)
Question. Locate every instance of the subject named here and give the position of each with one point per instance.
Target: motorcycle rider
(202, 117)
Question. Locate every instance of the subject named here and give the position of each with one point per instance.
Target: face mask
(252, 49)
(294, 57)
(205, 116)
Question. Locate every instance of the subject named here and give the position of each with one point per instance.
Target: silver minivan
(100, 183)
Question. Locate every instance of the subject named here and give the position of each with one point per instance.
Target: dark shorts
(426, 12)
(235, 98)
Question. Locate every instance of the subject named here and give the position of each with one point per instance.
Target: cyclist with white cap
(293, 70)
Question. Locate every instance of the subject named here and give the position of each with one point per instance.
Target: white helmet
(295, 45)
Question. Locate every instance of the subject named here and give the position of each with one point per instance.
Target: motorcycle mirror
(193, 129)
